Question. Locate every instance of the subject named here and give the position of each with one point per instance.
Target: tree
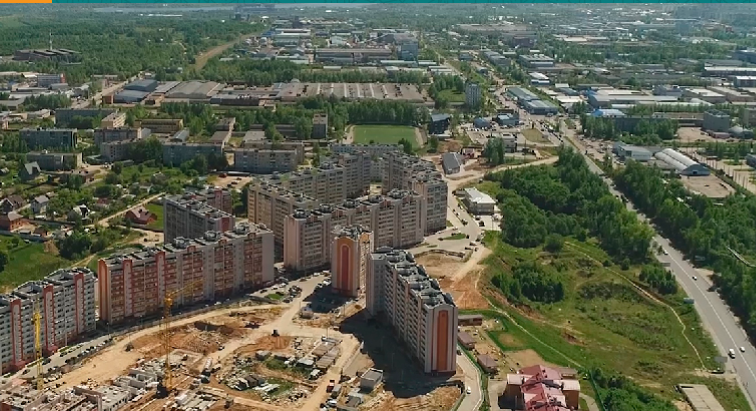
(554, 243)
(75, 245)
(117, 168)
(4, 259)
(433, 144)
(406, 146)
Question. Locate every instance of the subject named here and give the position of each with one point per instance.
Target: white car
(469, 391)
(695, 278)
(742, 349)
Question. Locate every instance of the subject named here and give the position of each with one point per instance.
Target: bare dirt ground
(440, 399)
(693, 134)
(440, 266)
(419, 137)
(683, 406)
(467, 294)
(201, 59)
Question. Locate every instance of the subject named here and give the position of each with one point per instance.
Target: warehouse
(521, 94)
(626, 151)
(146, 85)
(194, 90)
(129, 96)
(682, 163)
(540, 107)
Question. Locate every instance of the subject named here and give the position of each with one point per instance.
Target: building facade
(265, 161)
(107, 135)
(177, 153)
(269, 204)
(55, 161)
(64, 116)
(113, 120)
(473, 95)
(422, 316)
(191, 217)
(212, 267)
(66, 302)
(161, 125)
(350, 255)
(51, 138)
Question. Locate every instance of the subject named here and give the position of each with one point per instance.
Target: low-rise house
(11, 221)
(140, 215)
(29, 171)
(79, 212)
(39, 204)
(11, 203)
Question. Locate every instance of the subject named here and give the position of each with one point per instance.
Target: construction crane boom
(168, 300)
(37, 319)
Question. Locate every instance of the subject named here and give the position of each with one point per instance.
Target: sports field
(384, 134)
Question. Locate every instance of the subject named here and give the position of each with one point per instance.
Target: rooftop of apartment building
(350, 231)
(30, 289)
(266, 185)
(420, 283)
(241, 230)
(198, 206)
(20, 396)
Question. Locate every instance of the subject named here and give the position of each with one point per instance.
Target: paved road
(472, 401)
(717, 318)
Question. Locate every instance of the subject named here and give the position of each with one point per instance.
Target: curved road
(715, 315)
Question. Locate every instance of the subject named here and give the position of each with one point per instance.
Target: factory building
(66, 302)
(629, 152)
(715, 120)
(682, 163)
(350, 256)
(212, 267)
(422, 316)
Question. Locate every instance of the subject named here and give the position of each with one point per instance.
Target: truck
(731, 353)
(331, 385)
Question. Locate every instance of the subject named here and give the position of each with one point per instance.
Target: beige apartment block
(269, 204)
(350, 255)
(210, 268)
(413, 304)
(194, 214)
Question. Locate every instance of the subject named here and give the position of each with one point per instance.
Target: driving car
(742, 349)
(469, 391)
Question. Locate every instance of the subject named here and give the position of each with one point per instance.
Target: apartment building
(208, 268)
(177, 153)
(66, 302)
(269, 204)
(190, 217)
(325, 183)
(296, 146)
(107, 135)
(307, 239)
(113, 151)
(50, 138)
(399, 291)
(320, 125)
(374, 150)
(64, 116)
(265, 161)
(161, 125)
(113, 120)
(357, 172)
(48, 161)
(432, 187)
(350, 255)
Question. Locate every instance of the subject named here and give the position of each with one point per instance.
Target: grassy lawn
(452, 96)
(605, 321)
(156, 209)
(456, 236)
(384, 134)
(275, 296)
(27, 262)
(534, 135)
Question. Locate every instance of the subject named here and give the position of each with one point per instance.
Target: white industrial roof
(675, 159)
(478, 197)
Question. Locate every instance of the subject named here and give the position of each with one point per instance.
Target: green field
(28, 261)
(606, 321)
(156, 209)
(534, 135)
(384, 134)
(452, 96)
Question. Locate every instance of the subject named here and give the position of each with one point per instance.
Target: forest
(268, 72)
(645, 132)
(569, 200)
(124, 45)
(704, 229)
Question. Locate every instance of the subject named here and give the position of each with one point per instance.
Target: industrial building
(540, 107)
(683, 164)
(351, 56)
(606, 98)
(706, 95)
(50, 138)
(66, 302)
(521, 95)
(292, 92)
(536, 61)
(145, 85)
(129, 96)
(629, 152)
(422, 316)
(542, 388)
(194, 90)
(478, 202)
(715, 120)
(47, 80)
(190, 216)
(350, 256)
(212, 267)
(49, 161)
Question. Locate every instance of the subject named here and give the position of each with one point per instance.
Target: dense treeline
(49, 101)
(268, 72)
(124, 45)
(533, 281)
(441, 83)
(703, 229)
(619, 393)
(569, 200)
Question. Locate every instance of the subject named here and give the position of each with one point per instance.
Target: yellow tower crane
(37, 319)
(166, 385)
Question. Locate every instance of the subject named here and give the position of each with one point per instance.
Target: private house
(39, 204)
(140, 215)
(11, 221)
(30, 171)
